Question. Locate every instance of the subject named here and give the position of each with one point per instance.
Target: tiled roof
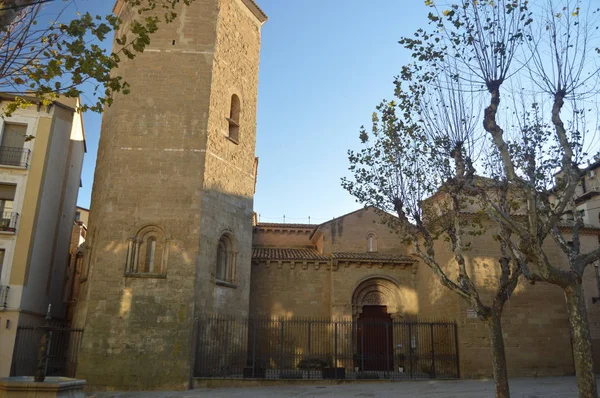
(570, 224)
(371, 257)
(273, 253)
(284, 225)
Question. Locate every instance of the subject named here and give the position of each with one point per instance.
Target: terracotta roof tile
(273, 253)
(371, 257)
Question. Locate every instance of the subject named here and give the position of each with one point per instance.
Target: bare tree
(419, 166)
(545, 50)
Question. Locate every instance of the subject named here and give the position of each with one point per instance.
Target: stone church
(171, 233)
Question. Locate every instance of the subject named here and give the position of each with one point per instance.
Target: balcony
(4, 296)
(8, 222)
(15, 157)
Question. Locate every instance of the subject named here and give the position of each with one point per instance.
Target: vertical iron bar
(410, 349)
(309, 330)
(432, 353)
(387, 350)
(335, 344)
(253, 348)
(281, 344)
(362, 347)
(456, 348)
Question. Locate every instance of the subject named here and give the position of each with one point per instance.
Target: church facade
(171, 235)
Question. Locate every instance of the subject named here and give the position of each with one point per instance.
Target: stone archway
(376, 303)
(380, 291)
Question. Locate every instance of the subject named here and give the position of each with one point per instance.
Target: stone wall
(160, 170)
(275, 235)
(349, 233)
(535, 326)
(228, 188)
(291, 290)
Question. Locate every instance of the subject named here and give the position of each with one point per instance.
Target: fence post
(387, 349)
(432, 353)
(410, 349)
(309, 327)
(253, 347)
(362, 347)
(335, 344)
(281, 344)
(456, 348)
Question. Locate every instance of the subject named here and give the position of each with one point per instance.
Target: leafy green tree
(47, 59)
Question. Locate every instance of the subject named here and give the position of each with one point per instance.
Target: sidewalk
(552, 387)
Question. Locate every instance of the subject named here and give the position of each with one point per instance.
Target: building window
(371, 243)
(12, 151)
(2, 252)
(147, 253)
(150, 253)
(225, 267)
(234, 119)
(8, 217)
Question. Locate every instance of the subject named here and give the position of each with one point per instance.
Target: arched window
(371, 243)
(234, 119)
(225, 267)
(150, 254)
(147, 252)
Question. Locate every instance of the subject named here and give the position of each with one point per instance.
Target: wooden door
(374, 339)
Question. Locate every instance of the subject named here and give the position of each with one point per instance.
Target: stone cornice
(334, 264)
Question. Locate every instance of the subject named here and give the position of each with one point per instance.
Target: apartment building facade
(41, 156)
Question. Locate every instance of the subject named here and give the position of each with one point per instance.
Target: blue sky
(325, 65)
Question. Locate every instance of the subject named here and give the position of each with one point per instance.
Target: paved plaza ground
(552, 387)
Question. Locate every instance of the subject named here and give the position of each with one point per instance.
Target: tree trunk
(582, 341)
(498, 354)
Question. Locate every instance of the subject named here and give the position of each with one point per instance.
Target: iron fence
(307, 348)
(14, 156)
(62, 352)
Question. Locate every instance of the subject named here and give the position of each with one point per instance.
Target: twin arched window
(147, 252)
(225, 267)
(234, 119)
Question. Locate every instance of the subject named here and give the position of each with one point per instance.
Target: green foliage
(58, 59)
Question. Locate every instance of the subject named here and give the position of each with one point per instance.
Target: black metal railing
(8, 221)
(4, 296)
(14, 156)
(62, 352)
(306, 348)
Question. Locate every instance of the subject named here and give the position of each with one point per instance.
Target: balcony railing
(4, 296)
(17, 157)
(8, 222)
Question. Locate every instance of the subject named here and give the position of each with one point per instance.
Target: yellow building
(41, 155)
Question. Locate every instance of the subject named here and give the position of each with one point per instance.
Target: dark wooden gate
(375, 339)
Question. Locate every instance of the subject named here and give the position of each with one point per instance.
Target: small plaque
(471, 313)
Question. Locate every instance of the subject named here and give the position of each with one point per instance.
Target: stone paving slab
(552, 387)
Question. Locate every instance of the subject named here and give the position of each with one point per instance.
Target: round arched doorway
(375, 304)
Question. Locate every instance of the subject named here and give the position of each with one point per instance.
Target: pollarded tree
(418, 163)
(543, 55)
(50, 58)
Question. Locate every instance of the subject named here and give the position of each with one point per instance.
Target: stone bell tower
(171, 214)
